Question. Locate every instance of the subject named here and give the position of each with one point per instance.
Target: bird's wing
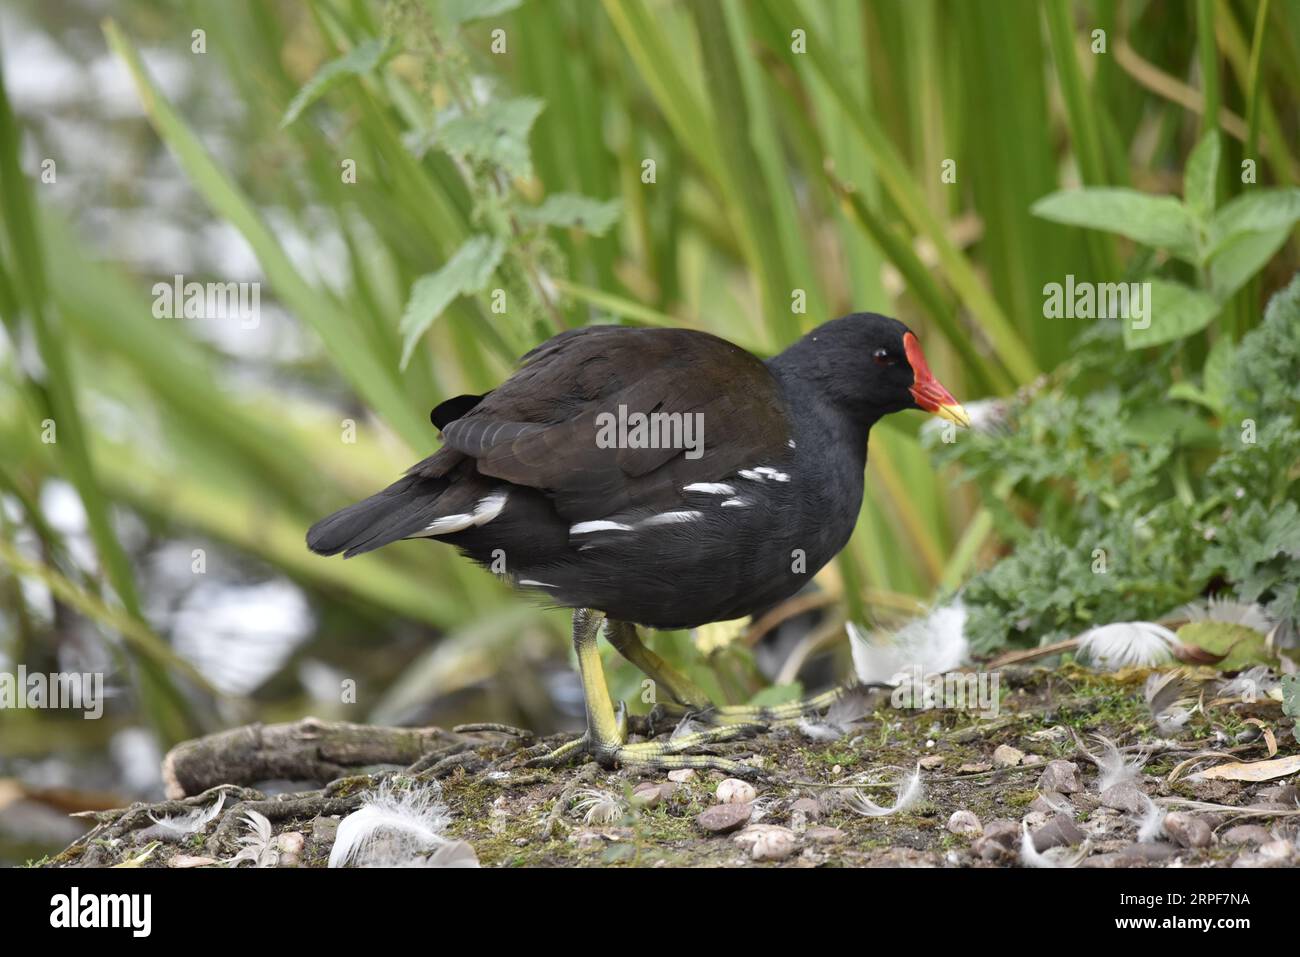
(547, 427)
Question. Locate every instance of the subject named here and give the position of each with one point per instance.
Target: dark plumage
(665, 537)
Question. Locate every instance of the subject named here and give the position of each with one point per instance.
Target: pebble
(650, 793)
(1005, 756)
(932, 761)
(965, 823)
(810, 808)
(997, 842)
(722, 818)
(1060, 831)
(767, 842)
(1125, 796)
(824, 835)
(976, 768)
(1052, 802)
(735, 791)
(1246, 834)
(681, 775)
(1188, 829)
(1032, 759)
(1060, 776)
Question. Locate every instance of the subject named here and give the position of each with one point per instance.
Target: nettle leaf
(571, 210)
(465, 273)
(1259, 211)
(359, 61)
(1159, 221)
(1174, 311)
(1201, 176)
(1239, 258)
(463, 11)
(1218, 368)
(497, 134)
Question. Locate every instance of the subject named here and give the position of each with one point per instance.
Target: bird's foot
(774, 716)
(668, 754)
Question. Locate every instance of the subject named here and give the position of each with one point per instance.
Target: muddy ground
(983, 781)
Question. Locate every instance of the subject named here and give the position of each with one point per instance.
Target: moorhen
(660, 477)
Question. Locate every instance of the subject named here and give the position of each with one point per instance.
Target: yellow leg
(672, 682)
(606, 737)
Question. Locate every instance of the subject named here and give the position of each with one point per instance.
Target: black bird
(656, 477)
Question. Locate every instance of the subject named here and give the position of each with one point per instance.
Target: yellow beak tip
(955, 414)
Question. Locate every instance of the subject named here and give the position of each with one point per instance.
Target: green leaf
(359, 61)
(1234, 263)
(457, 12)
(1242, 646)
(497, 134)
(1158, 221)
(1218, 367)
(1259, 211)
(1173, 311)
(1291, 699)
(1201, 176)
(571, 210)
(466, 272)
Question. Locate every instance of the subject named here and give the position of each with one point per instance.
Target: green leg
(606, 737)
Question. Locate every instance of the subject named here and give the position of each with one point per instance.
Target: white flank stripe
(536, 584)
(582, 528)
(791, 443)
(752, 474)
(671, 518)
(735, 503)
(485, 510)
(772, 473)
(711, 488)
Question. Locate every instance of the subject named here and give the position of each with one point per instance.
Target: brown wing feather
(539, 428)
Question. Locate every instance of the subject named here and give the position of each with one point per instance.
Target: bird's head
(871, 365)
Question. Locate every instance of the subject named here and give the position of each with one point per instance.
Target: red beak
(926, 390)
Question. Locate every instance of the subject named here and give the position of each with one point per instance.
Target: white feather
(1112, 767)
(396, 829)
(936, 643)
(1230, 611)
(583, 528)
(908, 794)
(709, 488)
(1029, 856)
(1151, 827)
(1123, 644)
(196, 820)
(672, 518)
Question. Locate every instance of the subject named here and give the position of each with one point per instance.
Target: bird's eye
(882, 357)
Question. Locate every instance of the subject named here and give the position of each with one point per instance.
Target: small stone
(1188, 829)
(837, 770)
(1005, 756)
(824, 835)
(291, 842)
(190, 860)
(965, 823)
(932, 761)
(1031, 760)
(1060, 831)
(810, 808)
(722, 818)
(651, 793)
(975, 768)
(767, 842)
(324, 830)
(1060, 776)
(735, 791)
(1149, 852)
(1245, 834)
(681, 775)
(1052, 802)
(1125, 796)
(999, 839)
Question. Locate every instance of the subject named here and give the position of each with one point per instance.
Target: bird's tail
(406, 507)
